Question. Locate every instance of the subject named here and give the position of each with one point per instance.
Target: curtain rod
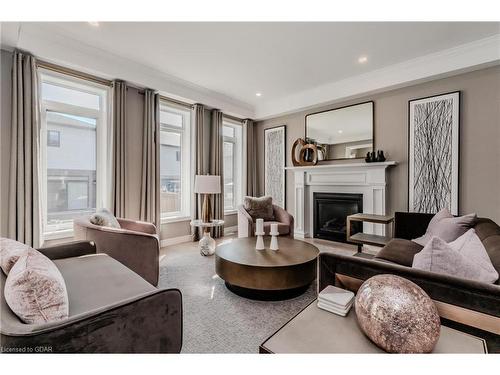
(73, 73)
(175, 101)
(237, 119)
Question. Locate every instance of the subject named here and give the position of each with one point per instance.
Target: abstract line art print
(274, 164)
(433, 153)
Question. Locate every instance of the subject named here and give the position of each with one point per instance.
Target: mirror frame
(345, 106)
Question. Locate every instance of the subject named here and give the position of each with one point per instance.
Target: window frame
(238, 162)
(185, 159)
(102, 117)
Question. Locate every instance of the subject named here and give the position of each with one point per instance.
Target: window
(175, 162)
(233, 165)
(74, 119)
(53, 138)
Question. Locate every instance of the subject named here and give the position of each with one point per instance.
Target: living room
(249, 187)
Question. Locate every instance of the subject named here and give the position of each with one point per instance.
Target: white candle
(274, 230)
(259, 225)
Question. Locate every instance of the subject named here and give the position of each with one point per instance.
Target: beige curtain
(118, 181)
(252, 188)
(25, 222)
(199, 133)
(150, 186)
(216, 168)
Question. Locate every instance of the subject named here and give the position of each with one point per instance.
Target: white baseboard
(233, 229)
(175, 240)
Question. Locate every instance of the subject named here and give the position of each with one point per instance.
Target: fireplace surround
(366, 179)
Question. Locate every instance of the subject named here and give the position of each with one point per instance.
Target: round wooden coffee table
(266, 274)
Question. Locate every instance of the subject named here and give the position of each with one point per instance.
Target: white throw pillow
(35, 290)
(465, 257)
(447, 227)
(10, 251)
(104, 218)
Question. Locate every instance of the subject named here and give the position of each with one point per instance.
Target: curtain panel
(118, 181)
(25, 219)
(150, 184)
(251, 161)
(216, 159)
(198, 154)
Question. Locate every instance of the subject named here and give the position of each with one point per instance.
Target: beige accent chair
(246, 224)
(136, 244)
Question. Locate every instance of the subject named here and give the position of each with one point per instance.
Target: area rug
(215, 319)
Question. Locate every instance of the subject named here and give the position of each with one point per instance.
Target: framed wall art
(274, 164)
(433, 153)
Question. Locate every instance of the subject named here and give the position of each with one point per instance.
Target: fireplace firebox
(330, 213)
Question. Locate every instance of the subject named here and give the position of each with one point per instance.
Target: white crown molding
(466, 57)
(52, 46)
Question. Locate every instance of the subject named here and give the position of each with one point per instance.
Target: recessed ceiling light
(362, 59)
(258, 94)
(94, 23)
(341, 131)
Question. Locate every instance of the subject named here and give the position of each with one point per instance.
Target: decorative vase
(274, 243)
(259, 245)
(207, 245)
(397, 315)
(274, 239)
(380, 156)
(259, 232)
(367, 159)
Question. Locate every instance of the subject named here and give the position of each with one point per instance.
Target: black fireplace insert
(330, 213)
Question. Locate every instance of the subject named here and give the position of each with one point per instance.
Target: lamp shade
(206, 184)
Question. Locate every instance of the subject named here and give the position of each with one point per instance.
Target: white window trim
(186, 162)
(102, 116)
(238, 162)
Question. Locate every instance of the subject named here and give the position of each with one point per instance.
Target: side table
(317, 331)
(207, 243)
(365, 238)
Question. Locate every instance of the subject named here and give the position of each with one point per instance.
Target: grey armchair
(246, 224)
(136, 245)
(111, 310)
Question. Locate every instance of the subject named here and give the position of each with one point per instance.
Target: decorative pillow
(35, 290)
(465, 257)
(10, 251)
(259, 208)
(447, 227)
(104, 218)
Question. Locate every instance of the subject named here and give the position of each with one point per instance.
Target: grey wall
(479, 183)
(5, 111)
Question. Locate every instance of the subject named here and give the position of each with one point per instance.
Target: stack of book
(336, 300)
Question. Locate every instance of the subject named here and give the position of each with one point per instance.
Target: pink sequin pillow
(35, 290)
(10, 251)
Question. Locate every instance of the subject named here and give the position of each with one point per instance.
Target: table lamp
(206, 185)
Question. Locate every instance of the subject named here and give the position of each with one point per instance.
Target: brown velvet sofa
(136, 244)
(246, 224)
(469, 305)
(111, 310)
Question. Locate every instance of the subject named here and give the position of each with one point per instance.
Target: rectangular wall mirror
(342, 133)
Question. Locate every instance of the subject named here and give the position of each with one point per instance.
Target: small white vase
(207, 245)
(274, 243)
(259, 245)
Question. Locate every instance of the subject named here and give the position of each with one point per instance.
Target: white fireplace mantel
(368, 179)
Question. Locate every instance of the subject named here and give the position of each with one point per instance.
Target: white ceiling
(280, 60)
